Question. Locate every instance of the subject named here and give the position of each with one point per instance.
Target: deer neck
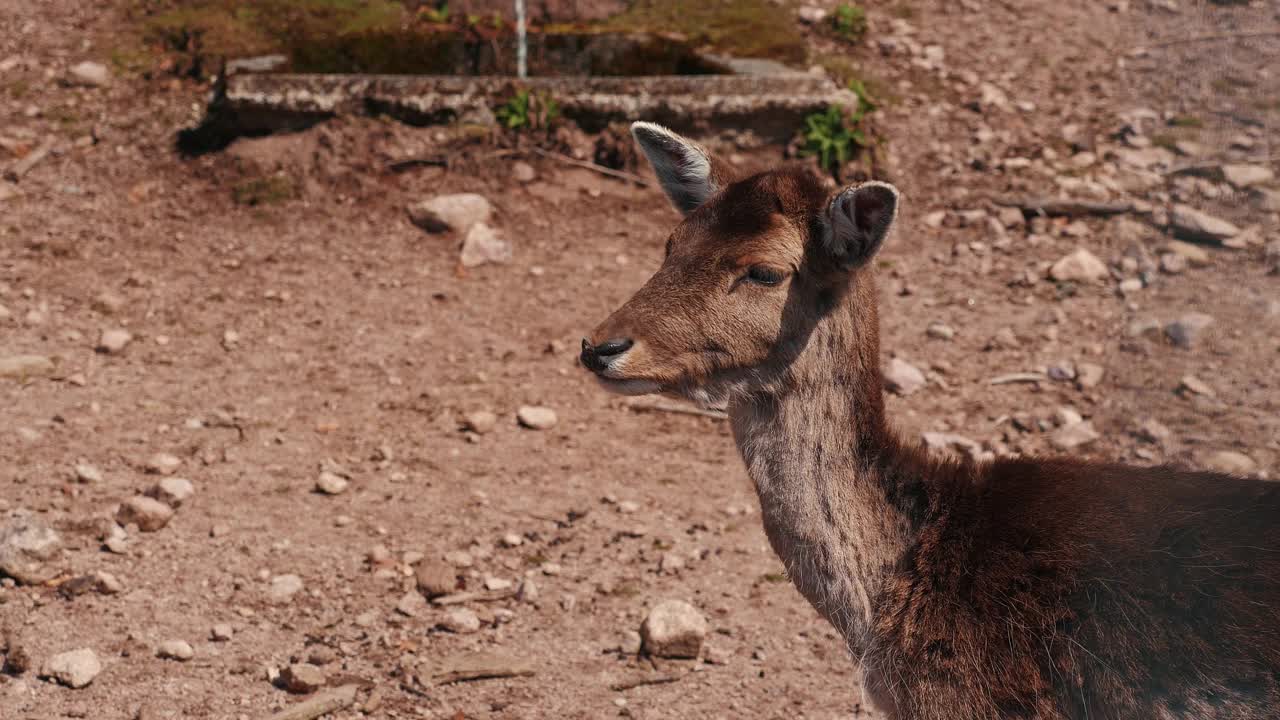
(815, 442)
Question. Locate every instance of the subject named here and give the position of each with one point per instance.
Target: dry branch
(641, 682)
(477, 596)
(1018, 378)
(1064, 207)
(561, 157)
(322, 704)
(475, 666)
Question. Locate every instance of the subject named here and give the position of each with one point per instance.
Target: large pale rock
(451, 212)
(27, 545)
(1079, 266)
(536, 418)
(75, 669)
(902, 377)
(1191, 224)
(674, 629)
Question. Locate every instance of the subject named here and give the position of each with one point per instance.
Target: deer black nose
(598, 357)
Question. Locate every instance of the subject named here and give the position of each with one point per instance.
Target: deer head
(755, 264)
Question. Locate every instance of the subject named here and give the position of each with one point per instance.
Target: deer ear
(861, 218)
(683, 168)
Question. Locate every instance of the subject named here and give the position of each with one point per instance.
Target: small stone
(1153, 431)
(940, 331)
(89, 73)
(674, 629)
(163, 464)
(670, 563)
(221, 632)
(108, 303)
(113, 341)
(628, 507)
(1191, 224)
(1173, 264)
(935, 218)
(1066, 417)
(302, 678)
(378, 555)
(1186, 331)
(27, 545)
(1079, 266)
(902, 377)
(1196, 386)
(461, 621)
(321, 655)
(451, 212)
(496, 583)
(1073, 436)
(528, 591)
(172, 491)
(811, 15)
(484, 244)
(536, 418)
(511, 540)
(435, 578)
(1242, 177)
(459, 558)
(1089, 375)
(1194, 254)
(631, 643)
(1010, 217)
(1230, 462)
(1004, 339)
(411, 605)
(480, 422)
(23, 366)
(523, 172)
(106, 583)
(147, 513)
(75, 669)
(283, 588)
(1061, 371)
(88, 474)
(179, 650)
(331, 483)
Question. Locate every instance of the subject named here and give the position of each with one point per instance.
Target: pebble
(172, 491)
(88, 474)
(147, 513)
(435, 578)
(1079, 266)
(302, 678)
(536, 417)
(940, 331)
(1004, 338)
(811, 15)
(1193, 254)
(89, 73)
(457, 212)
(670, 563)
(673, 629)
(1196, 386)
(496, 583)
(1230, 462)
(22, 366)
(27, 545)
(163, 464)
(1061, 371)
(528, 591)
(179, 650)
(628, 507)
(331, 483)
(1242, 177)
(222, 632)
(1089, 375)
(284, 587)
(1153, 431)
(631, 643)
(1172, 264)
(75, 669)
(1010, 217)
(1186, 331)
(480, 422)
(511, 540)
(1191, 224)
(459, 558)
(902, 377)
(108, 303)
(1073, 436)
(484, 244)
(461, 621)
(523, 172)
(411, 604)
(113, 341)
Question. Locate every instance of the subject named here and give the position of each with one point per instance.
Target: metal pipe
(522, 49)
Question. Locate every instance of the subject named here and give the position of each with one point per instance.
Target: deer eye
(765, 275)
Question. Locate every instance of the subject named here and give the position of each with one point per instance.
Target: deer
(1040, 588)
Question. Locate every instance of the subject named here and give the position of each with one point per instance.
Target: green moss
(849, 22)
(267, 190)
(747, 28)
(1166, 141)
(774, 578)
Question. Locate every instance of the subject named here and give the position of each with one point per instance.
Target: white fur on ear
(683, 168)
(861, 218)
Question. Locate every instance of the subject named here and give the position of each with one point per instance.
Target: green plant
(437, 15)
(528, 111)
(849, 22)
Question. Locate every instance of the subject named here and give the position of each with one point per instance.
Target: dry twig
(641, 682)
(561, 157)
(322, 704)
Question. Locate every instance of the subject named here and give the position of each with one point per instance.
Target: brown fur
(1022, 588)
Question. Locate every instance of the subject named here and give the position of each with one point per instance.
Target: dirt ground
(274, 341)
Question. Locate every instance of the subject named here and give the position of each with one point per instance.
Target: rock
(15, 659)
(536, 417)
(459, 558)
(673, 629)
(179, 650)
(670, 563)
(331, 483)
(163, 464)
(947, 442)
(302, 678)
(461, 621)
(75, 669)
(1153, 431)
(940, 331)
(1191, 224)
(627, 507)
(172, 491)
(221, 632)
(1079, 266)
(27, 545)
(1173, 264)
(88, 474)
(1194, 254)
(1004, 339)
(113, 342)
(1061, 371)
(1196, 386)
(89, 73)
(935, 218)
(23, 366)
(523, 172)
(283, 588)
(451, 212)
(147, 513)
(902, 377)
(631, 643)
(435, 578)
(811, 15)
(1066, 417)
(1242, 177)
(1088, 375)
(480, 422)
(411, 604)
(528, 591)
(497, 583)
(484, 244)
(1230, 462)
(1010, 217)
(511, 540)
(1186, 331)
(1073, 436)
(108, 303)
